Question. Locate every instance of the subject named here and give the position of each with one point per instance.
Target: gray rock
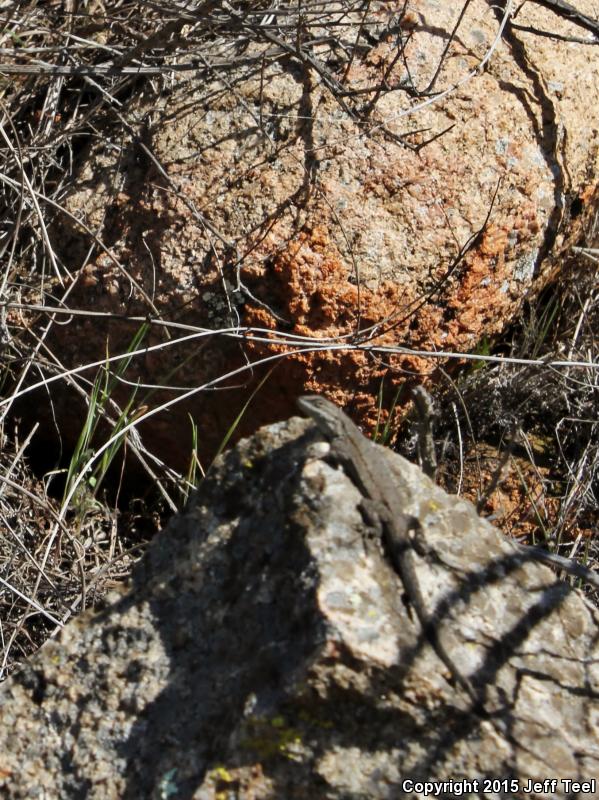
(265, 649)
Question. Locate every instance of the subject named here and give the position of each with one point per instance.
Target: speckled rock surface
(262, 200)
(264, 650)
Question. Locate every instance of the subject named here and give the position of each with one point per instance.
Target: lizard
(357, 456)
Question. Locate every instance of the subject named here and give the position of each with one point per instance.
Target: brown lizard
(371, 475)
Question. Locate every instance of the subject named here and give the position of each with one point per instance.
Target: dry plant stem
(463, 81)
(18, 456)
(28, 555)
(33, 195)
(569, 12)
(270, 336)
(32, 602)
(450, 39)
(565, 564)
(460, 449)
(21, 202)
(464, 407)
(92, 71)
(98, 241)
(498, 473)
(77, 602)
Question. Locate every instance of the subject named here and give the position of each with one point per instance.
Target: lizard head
(325, 414)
